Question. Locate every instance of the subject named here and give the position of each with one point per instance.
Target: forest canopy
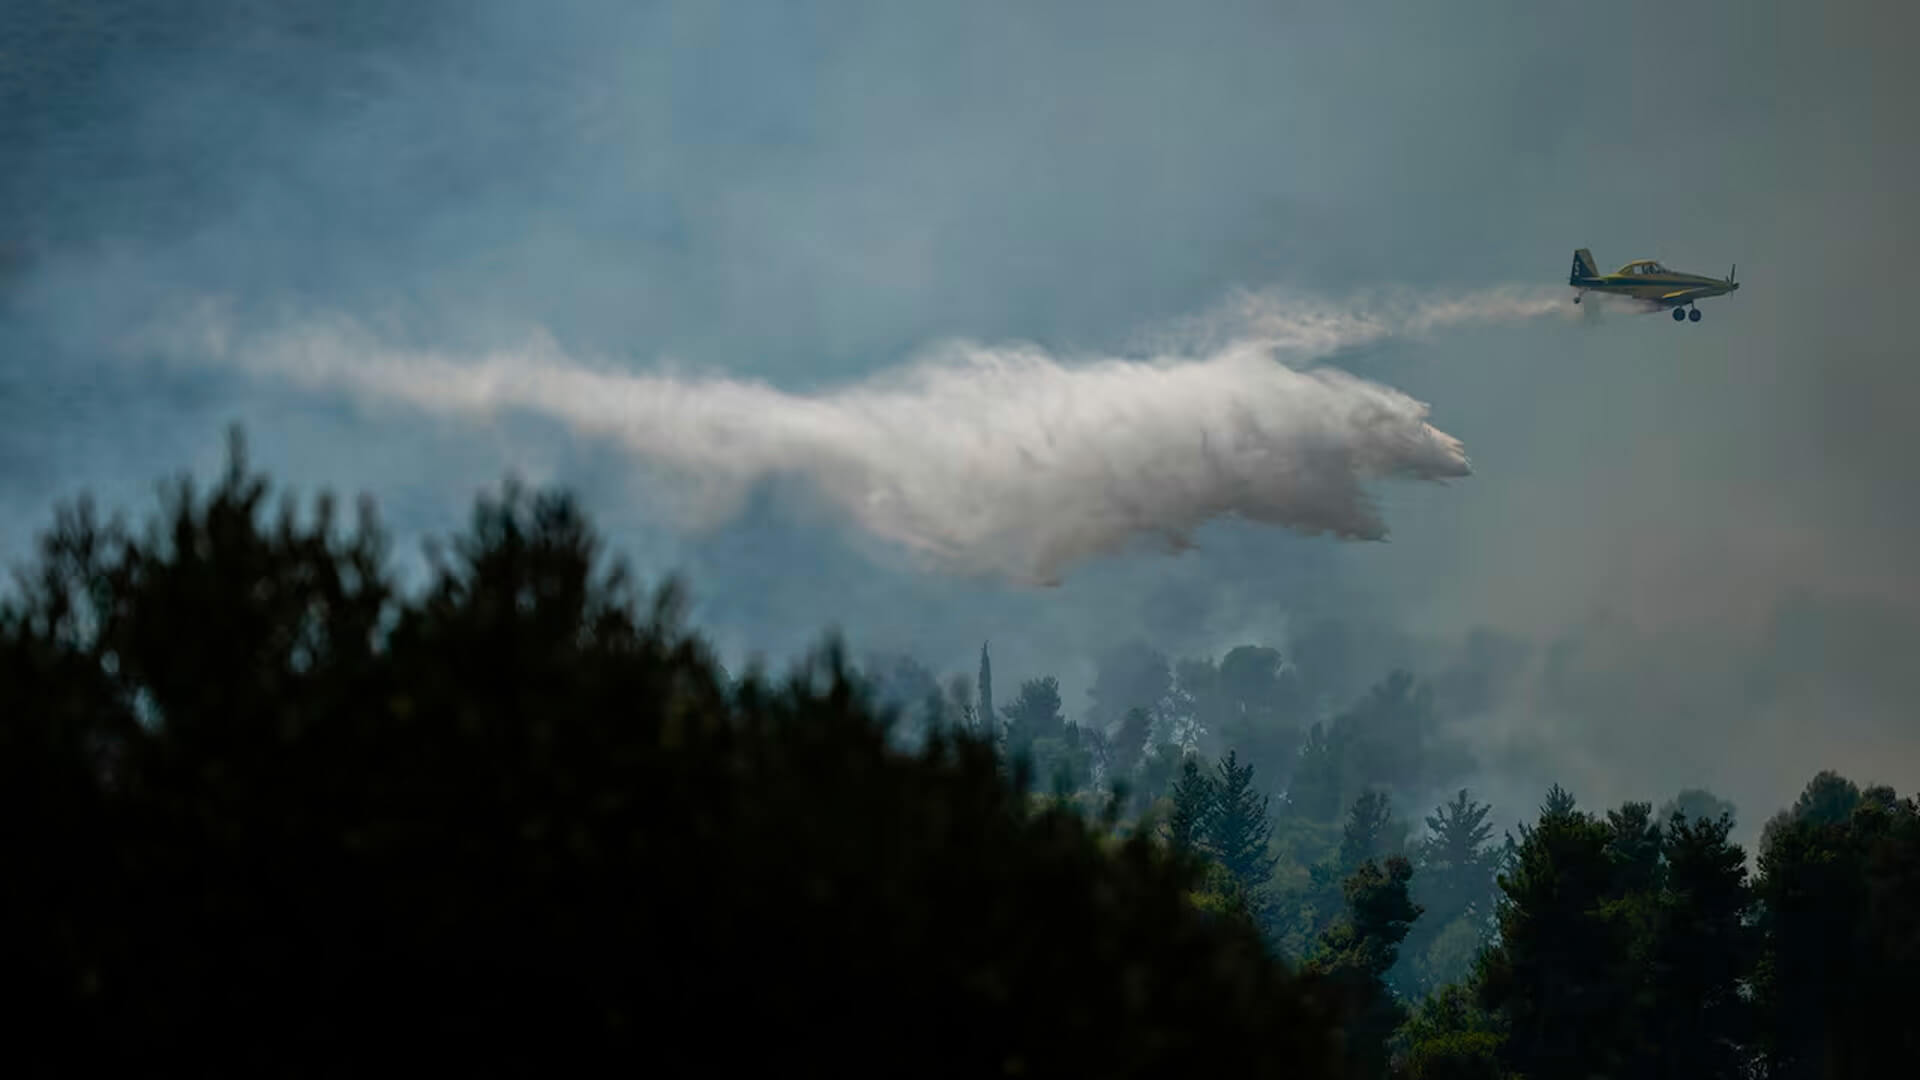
(269, 810)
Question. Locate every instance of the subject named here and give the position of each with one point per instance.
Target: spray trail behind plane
(1004, 461)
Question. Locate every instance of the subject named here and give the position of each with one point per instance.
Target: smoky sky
(1697, 536)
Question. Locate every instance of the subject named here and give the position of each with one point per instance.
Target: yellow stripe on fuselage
(1650, 286)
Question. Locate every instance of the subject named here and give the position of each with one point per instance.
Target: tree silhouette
(1315, 791)
(1369, 832)
(1195, 802)
(1256, 710)
(269, 814)
(1839, 889)
(1449, 1037)
(1555, 974)
(1357, 951)
(1699, 1020)
(1455, 886)
(989, 717)
(1130, 741)
(1238, 829)
(1034, 715)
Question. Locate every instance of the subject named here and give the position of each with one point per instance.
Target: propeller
(1736, 266)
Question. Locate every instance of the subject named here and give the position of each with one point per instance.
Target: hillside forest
(267, 809)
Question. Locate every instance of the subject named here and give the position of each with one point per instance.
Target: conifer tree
(1240, 826)
(1455, 885)
(1314, 792)
(1699, 1021)
(1357, 951)
(266, 812)
(989, 718)
(1194, 802)
(1555, 975)
(1368, 832)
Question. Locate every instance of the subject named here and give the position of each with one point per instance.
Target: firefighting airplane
(1647, 281)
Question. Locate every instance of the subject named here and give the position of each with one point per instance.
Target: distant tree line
(267, 811)
(1630, 943)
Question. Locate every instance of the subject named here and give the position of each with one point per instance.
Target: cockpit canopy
(1643, 266)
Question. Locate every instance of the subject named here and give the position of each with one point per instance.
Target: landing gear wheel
(1576, 299)
(1693, 315)
(1679, 314)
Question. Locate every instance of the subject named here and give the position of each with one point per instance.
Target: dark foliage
(1034, 714)
(1840, 896)
(265, 814)
(1699, 1023)
(1315, 793)
(989, 718)
(1454, 883)
(1194, 803)
(1557, 974)
(1392, 739)
(264, 811)
(1449, 1037)
(1356, 953)
(1239, 826)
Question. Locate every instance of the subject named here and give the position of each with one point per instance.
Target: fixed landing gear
(1684, 314)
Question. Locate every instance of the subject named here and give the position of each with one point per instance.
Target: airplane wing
(1681, 296)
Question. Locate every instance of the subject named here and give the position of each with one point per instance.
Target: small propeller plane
(1646, 280)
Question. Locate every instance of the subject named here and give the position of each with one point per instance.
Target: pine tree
(1257, 709)
(1634, 913)
(1240, 827)
(959, 703)
(1034, 715)
(1130, 742)
(1457, 862)
(1358, 950)
(1379, 912)
(1839, 890)
(1368, 832)
(1193, 808)
(1555, 974)
(989, 718)
(517, 818)
(1314, 792)
(1449, 1037)
(1460, 833)
(1706, 949)
(1559, 803)
(1634, 845)
(1455, 885)
(1159, 771)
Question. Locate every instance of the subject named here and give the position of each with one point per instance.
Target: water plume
(1005, 461)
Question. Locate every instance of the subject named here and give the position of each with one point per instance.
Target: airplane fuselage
(1647, 281)
(1657, 287)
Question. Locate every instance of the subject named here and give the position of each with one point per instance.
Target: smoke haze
(1683, 557)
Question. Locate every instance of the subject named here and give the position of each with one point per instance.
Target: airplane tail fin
(1583, 267)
